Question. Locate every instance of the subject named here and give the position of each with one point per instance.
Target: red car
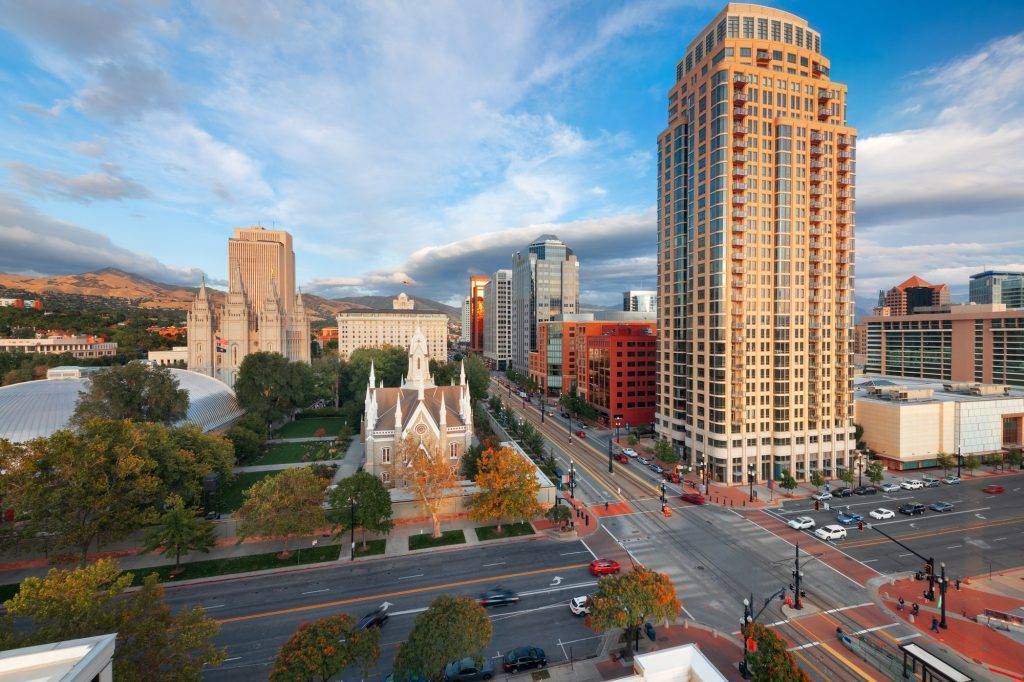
(693, 498)
(604, 567)
(621, 458)
(581, 434)
(993, 489)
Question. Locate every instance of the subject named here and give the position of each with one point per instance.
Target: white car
(951, 480)
(831, 532)
(881, 513)
(579, 606)
(911, 484)
(801, 523)
(890, 487)
(822, 496)
(629, 452)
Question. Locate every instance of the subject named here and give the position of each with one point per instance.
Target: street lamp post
(942, 597)
(750, 477)
(352, 526)
(959, 460)
(860, 469)
(610, 467)
(572, 479)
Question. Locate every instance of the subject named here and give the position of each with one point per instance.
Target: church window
(385, 477)
(385, 455)
(453, 450)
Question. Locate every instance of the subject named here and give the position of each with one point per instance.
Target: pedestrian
(902, 605)
(935, 625)
(915, 609)
(957, 583)
(606, 509)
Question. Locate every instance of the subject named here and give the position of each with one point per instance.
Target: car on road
(604, 566)
(993, 489)
(655, 468)
(830, 532)
(524, 658)
(580, 433)
(580, 606)
(825, 495)
(842, 492)
(374, 619)
(629, 452)
(801, 523)
(865, 490)
(941, 506)
(621, 458)
(951, 480)
(692, 498)
(911, 509)
(522, 394)
(930, 481)
(890, 487)
(881, 513)
(498, 596)
(911, 484)
(848, 518)
(643, 460)
(469, 668)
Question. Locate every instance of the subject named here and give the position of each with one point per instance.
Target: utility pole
(942, 597)
(796, 580)
(929, 565)
(750, 477)
(610, 467)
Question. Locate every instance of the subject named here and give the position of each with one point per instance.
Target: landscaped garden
(508, 530)
(231, 494)
(372, 547)
(426, 540)
(310, 427)
(241, 564)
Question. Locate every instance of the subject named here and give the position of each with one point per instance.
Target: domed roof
(38, 408)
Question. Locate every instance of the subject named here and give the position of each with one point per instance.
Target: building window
(385, 477)
(385, 455)
(453, 450)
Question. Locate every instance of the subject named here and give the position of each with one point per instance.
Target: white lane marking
(588, 548)
(930, 517)
(998, 539)
(911, 636)
(858, 632)
(847, 608)
(954, 547)
(560, 588)
(215, 606)
(497, 563)
(408, 611)
(582, 551)
(621, 544)
(233, 658)
(868, 561)
(834, 505)
(688, 614)
(900, 556)
(407, 577)
(504, 616)
(804, 646)
(326, 589)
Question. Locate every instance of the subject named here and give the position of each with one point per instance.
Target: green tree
(817, 480)
(846, 475)
(1015, 457)
(633, 439)
(153, 643)
(946, 461)
(285, 505)
(450, 629)
(508, 488)
(247, 444)
(372, 505)
(323, 648)
(327, 375)
(628, 600)
(180, 532)
(772, 660)
(471, 461)
(875, 471)
(531, 439)
(664, 451)
(787, 482)
(444, 372)
(494, 405)
(271, 387)
(971, 462)
(560, 514)
(187, 457)
(135, 391)
(858, 436)
(477, 376)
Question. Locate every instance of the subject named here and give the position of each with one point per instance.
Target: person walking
(901, 605)
(935, 625)
(957, 584)
(915, 609)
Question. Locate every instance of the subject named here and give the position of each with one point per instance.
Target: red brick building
(621, 373)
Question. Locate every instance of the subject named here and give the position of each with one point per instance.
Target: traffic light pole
(796, 580)
(610, 467)
(929, 564)
(942, 597)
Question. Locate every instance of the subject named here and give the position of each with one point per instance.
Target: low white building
(75, 660)
(684, 663)
(177, 356)
(78, 346)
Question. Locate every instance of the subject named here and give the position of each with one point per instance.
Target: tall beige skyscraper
(261, 310)
(755, 254)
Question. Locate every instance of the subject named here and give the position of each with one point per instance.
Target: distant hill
(384, 302)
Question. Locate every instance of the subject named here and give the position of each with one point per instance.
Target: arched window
(385, 455)
(453, 450)
(385, 477)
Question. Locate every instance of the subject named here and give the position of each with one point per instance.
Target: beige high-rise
(755, 254)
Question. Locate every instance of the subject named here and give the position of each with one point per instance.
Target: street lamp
(860, 469)
(750, 477)
(352, 526)
(611, 469)
(959, 459)
(572, 479)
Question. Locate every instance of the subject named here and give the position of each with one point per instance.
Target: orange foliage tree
(322, 649)
(628, 600)
(428, 474)
(508, 488)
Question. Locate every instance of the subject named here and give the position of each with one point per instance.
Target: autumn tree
(428, 474)
(284, 505)
(450, 629)
(560, 514)
(135, 391)
(772, 660)
(323, 648)
(628, 600)
(372, 505)
(179, 532)
(508, 488)
(153, 643)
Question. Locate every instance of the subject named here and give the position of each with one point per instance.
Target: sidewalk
(303, 439)
(252, 468)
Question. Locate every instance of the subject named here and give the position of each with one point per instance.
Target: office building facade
(911, 295)
(545, 283)
(498, 320)
(620, 377)
(465, 329)
(755, 256)
(640, 301)
(476, 312)
(1005, 288)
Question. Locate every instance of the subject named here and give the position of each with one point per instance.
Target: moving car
(930, 482)
(580, 433)
(941, 506)
(621, 458)
(881, 513)
(848, 518)
(692, 498)
(911, 484)
(629, 452)
(865, 490)
(993, 489)
(604, 566)
(831, 532)
(374, 619)
(822, 496)
(911, 509)
(498, 596)
(579, 606)
(951, 480)
(801, 523)
(524, 658)
(890, 487)
(842, 492)
(469, 668)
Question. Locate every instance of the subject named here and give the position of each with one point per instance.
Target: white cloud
(105, 184)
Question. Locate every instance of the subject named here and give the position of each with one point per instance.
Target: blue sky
(423, 141)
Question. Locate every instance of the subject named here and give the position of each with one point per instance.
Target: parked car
(842, 492)
(930, 482)
(469, 668)
(911, 484)
(692, 498)
(643, 460)
(498, 596)
(941, 506)
(881, 513)
(580, 433)
(579, 606)
(629, 452)
(993, 489)
(656, 468)
(621, 458)
(865, 490)
(890, 487)
(374, 619)
(911, 509)
(822, 496)
(524, 658)
(801, 523)
(604, 566)
(951, 480)
(848, 518)
(831, 532)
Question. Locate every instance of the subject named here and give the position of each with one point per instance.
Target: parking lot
(981, 533)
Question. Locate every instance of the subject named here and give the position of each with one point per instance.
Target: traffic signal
(928, 568)
(860, 525)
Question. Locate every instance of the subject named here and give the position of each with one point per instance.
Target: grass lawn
(231, 494)
(282, 453)
(448, 537)
(372, 547)
(508, 530)
(308, 426)
(241, 564)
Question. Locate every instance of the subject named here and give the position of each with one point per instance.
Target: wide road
(258, 614)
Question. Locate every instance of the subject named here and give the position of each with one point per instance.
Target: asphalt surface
(983, 532)
(258, 614)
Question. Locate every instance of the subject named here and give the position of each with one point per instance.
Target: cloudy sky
(423, 141)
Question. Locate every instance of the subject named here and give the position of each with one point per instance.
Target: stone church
(419, 409)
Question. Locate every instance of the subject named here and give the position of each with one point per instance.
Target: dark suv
(865, 490)
(842, 492)
(911, 509)
(524, 658)
(469, 669)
